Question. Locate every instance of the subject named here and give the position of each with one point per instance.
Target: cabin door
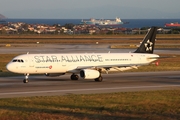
(31, 64)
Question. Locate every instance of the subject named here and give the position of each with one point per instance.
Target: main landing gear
(74, 77)
(26, 78)
(99, 79)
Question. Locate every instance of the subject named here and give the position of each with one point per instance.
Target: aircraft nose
(10, 67)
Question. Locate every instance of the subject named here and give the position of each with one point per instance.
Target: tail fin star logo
(148, 45)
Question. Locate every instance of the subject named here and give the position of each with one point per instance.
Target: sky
(85, 9)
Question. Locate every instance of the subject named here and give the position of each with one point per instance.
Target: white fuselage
(63, 63)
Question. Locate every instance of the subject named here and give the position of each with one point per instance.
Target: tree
(69, 26)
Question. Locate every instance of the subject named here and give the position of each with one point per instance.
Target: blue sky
(85, 9)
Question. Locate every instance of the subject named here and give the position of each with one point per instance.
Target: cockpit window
(18, 60)
(14, 60)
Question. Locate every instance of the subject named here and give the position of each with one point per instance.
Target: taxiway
(118, 82)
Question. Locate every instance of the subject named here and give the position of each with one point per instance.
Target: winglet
(148, 43)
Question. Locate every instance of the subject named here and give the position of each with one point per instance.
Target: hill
(2, 16)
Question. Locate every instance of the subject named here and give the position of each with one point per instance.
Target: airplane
(87, 65)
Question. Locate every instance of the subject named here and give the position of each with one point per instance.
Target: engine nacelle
(89, 74)
(54, 74)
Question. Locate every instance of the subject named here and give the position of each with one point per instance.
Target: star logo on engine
(148, 45)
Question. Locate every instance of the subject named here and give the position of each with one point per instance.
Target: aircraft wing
(102, 66)
(108, 67)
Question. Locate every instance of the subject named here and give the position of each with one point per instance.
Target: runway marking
(93, 89)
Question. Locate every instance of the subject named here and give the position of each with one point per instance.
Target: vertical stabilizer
(148, 43)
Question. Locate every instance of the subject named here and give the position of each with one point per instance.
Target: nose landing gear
(26, 78)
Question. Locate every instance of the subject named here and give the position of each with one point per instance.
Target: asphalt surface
(118, 82)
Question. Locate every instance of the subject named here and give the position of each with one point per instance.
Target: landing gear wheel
(25, 81)
(99, 79)
(26, 78)
(74, 77)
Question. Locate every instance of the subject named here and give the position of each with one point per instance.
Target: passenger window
(22, 61)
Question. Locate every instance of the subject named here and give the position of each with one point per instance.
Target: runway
(118, 82)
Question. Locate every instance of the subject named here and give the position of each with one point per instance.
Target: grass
(165, 64)
(5, 58)
(83, 35)
(81, 39)
(152, 105)
(135, 46)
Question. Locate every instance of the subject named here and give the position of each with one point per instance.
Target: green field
(148, 105)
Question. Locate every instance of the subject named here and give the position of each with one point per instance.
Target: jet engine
(89, 74)
(54, 74)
